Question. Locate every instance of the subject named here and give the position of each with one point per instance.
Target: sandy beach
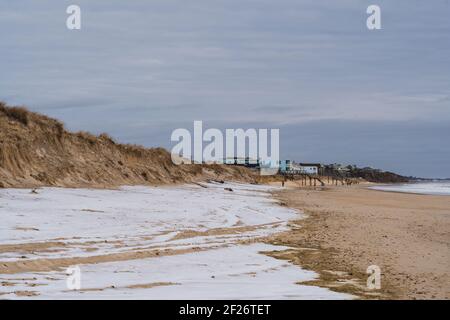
(348, 229)
(328, 235)
(140, 243)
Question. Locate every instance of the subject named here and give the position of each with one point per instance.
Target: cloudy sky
(337, 91)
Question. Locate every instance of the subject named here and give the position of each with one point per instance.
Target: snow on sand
(213, 229)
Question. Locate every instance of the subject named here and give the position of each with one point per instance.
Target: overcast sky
(337, 91)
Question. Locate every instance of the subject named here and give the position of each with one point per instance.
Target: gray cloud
(138, 69)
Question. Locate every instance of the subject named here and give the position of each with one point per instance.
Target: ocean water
(436, 188)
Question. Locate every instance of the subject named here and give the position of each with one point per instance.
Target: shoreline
(377, 188)
(347, 229)
(341, 231)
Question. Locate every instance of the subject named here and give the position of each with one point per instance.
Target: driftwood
(200, 185)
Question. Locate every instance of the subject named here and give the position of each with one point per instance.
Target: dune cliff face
(36, 150)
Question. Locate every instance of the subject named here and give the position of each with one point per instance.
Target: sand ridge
(36, 150)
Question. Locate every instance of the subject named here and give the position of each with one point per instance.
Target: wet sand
(348, 229)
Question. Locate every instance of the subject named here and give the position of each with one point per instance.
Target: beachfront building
(311, 168)
(291, 167)
(337, 169)
(242, 161)
(285, 166)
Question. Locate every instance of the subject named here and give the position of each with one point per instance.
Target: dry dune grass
(36, 150)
